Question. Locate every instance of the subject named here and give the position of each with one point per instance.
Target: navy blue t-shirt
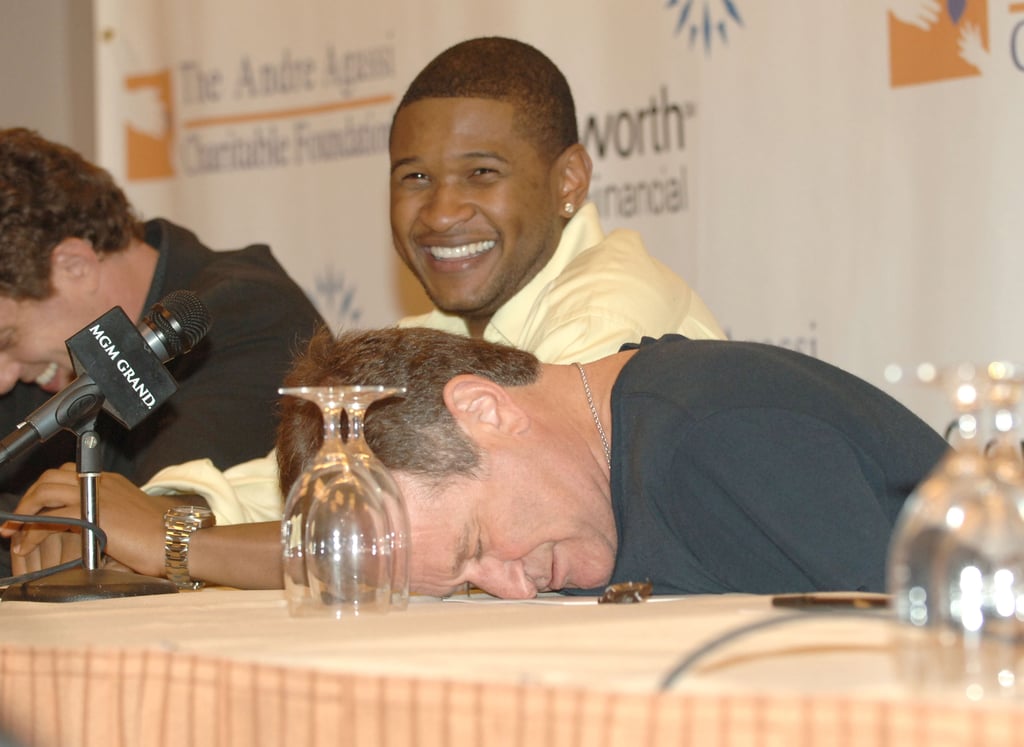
(743, 467)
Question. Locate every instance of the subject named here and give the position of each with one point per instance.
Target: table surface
(550, 640)
(598, 653)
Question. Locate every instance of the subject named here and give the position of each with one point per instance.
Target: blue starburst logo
(706, 20)
(335, 297)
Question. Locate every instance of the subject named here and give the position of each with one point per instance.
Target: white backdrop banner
(843, 178)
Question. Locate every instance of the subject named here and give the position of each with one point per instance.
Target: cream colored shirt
(594, 294)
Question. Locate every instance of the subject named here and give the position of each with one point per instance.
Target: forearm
(246, 556)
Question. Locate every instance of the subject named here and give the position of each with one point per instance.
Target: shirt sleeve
(247, 492)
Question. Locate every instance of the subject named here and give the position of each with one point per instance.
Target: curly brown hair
(49, 193)
(414, 432)
(507, 70)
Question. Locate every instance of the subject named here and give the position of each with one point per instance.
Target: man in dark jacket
(72, 249)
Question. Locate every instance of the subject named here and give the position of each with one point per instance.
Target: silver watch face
(197, 516)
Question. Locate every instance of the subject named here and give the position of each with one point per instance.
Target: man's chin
(468, 305)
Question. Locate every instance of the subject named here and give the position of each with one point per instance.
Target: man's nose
(446, 207)
(505, 579)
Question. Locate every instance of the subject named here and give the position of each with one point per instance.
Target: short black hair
(507, 70)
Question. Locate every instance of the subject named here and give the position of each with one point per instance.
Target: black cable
(769, 622)
(100, 535)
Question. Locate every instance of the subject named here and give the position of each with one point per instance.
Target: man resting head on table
(489, 210)
(702, 466)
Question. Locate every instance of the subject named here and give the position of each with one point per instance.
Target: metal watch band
(180, 523)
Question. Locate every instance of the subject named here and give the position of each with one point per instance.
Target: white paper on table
(552, 598)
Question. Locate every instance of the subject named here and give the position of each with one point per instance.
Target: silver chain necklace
(597, 420)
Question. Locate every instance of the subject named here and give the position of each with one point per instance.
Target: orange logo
(932, 40)
(149, 131)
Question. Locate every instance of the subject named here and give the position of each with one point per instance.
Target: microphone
(119, 369)
(175, 324)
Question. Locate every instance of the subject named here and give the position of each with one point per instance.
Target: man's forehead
(457, 119)
(438, 555)
(455, 104)
(441, 536)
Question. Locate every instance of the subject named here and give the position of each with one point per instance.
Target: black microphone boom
(120, 369)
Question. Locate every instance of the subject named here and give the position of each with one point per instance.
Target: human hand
(132, 520)
(54, 549)
(920, 13)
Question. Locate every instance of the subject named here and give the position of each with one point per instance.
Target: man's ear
(480, 406)
(74, 265)
(575, 169)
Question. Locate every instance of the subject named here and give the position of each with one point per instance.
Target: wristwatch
(180, 522)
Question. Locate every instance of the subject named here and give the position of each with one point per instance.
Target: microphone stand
(90, 581)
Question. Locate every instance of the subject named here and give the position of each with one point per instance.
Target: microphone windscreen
(181, 320)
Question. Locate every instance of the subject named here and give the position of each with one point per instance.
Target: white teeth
(47, 376)
(460, 252)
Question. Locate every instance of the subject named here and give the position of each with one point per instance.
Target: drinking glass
(335, 531)
(922, 523)
(359, 399)
(956, 558)
(982, 557)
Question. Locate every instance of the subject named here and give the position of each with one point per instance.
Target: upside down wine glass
(335, 531)
(922, 524)
(358, 400)
(956, 558)
(982, 558)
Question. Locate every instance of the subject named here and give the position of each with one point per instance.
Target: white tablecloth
(225, 667)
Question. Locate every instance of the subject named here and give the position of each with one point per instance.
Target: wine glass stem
(332, 425)
(356, 439)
